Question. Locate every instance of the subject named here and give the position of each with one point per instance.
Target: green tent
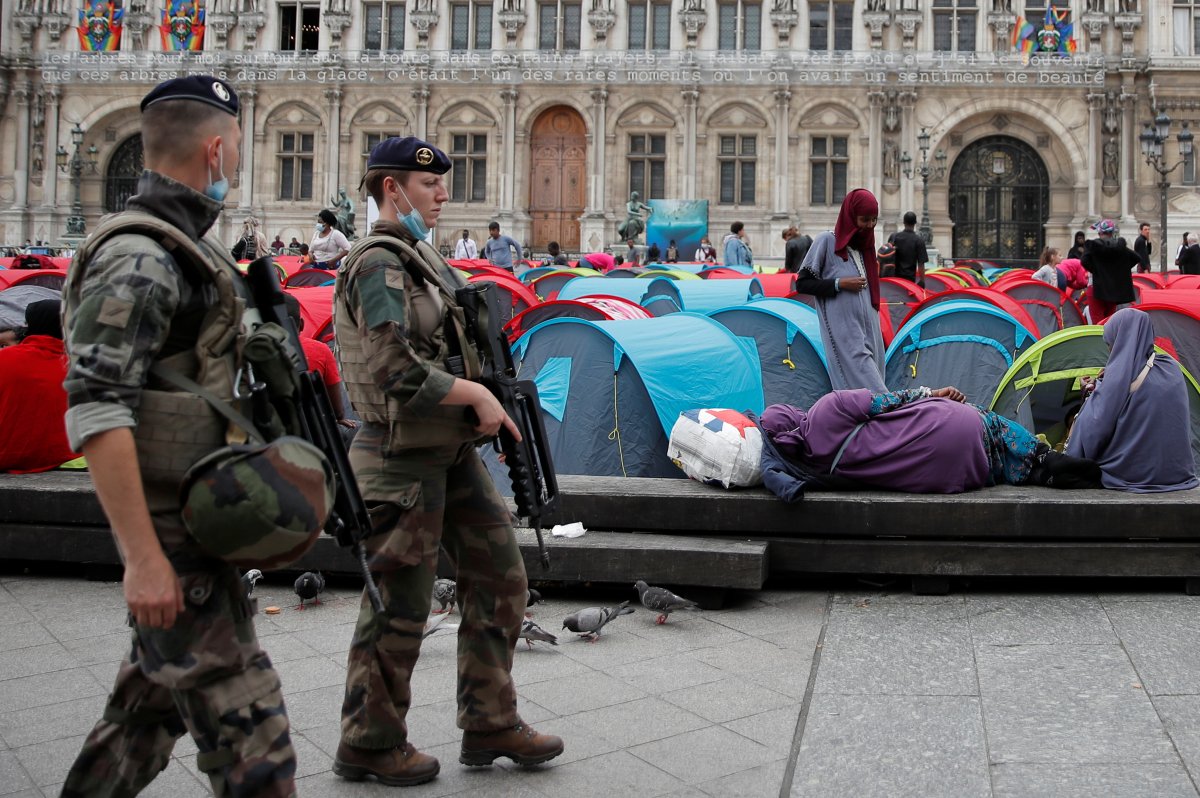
(1042, 387)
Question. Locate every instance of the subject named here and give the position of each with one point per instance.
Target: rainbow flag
(100, 25)
(182, 25)
(1055, 35)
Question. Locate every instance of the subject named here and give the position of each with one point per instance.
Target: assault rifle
(349, 521)
(535, 488)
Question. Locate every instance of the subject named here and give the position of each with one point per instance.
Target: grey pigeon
(308, 586)
(445, 593)
(531, 597)
(249, 579)
(661, 600)
(531, 632)
(588, 622)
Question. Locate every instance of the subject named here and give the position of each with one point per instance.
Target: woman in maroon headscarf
(842, 271)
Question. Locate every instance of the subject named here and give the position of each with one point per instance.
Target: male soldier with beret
(143, 302)
(397, 324)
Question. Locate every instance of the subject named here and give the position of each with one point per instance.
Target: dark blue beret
(198, 88)
(408, 153)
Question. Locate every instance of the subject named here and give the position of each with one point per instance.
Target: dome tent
(612, 390)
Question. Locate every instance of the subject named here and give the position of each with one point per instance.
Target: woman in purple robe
(915, 440)
(1135, 423)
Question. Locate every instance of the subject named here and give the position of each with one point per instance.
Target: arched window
(121, 177)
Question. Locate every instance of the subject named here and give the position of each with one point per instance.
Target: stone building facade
(553, 111)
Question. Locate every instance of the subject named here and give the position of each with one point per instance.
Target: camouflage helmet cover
(259, 506)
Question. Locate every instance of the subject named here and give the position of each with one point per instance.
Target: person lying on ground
(915, 440)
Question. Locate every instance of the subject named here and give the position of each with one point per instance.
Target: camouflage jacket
(135, 306)
(391, 347)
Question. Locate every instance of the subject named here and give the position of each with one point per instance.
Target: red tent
(513, 292)
(50, 278)
(593, 308)
(1002, 301)
(899, 297)
(316, 309)
(1052, 309)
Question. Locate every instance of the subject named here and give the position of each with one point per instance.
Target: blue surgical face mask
(319, 227)
(219, 189)
(412, 220)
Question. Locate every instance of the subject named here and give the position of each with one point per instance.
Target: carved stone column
(333, 152)
(508, 162)
(907, 101)
(594, 223)
(908, 21)
(511, 18)
(783, 101)
(602, 18)
(876, 21)
(691, 105)
(874, 177)
(424, 18)
(1093, 24)
(1127, 100)
(247, 97)
(138, 20)
(420, 96)
(1095, 102)
(1002, 23)
(599, 162)
(52, 95)
(24, 95)
(1127, 21)
(217, 28)
(784, 17)
(692, 17)
(336, 18)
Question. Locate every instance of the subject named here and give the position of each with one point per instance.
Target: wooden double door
(558, 177)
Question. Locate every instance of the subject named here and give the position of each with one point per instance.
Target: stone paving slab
(983, 694)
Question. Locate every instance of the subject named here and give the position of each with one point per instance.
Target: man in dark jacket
(1142, 247)
(1111, 264)
(794, 249)
(910, 252)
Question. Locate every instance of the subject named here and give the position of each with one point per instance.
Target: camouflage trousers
(457, 506)
(206, 676)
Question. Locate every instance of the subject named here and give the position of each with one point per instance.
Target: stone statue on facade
(1127, 6)
(876, 6)
(633, 225)
(891, 160)
(784, 5)
(999, 6)
(1094, 7)
(344, 208)
(1112, 160)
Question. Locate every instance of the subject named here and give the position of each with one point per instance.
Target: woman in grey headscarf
(1135, 423)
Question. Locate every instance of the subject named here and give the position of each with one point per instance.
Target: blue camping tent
(704, 296)
(965, 343)
(790, 353)
(612, 390)
(630, 289)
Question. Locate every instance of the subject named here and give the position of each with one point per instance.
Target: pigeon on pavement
(588, 622)
(308, 586)
(531, 597)
(445, 593)
(662, 601)
(531, 632)
(249, 579)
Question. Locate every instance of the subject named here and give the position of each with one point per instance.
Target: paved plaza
(846, 692)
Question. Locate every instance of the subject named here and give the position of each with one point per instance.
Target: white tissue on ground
(574, 530)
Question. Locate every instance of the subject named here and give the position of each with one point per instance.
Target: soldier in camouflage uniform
(195, 665)
(397, 322)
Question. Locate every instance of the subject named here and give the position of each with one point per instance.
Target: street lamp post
(75, 166)
(925, 171)
(1153, 137)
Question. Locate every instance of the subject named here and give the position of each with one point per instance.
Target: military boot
(399, 767)
(520, 743)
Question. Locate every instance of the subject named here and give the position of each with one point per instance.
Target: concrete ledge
(1002, 513)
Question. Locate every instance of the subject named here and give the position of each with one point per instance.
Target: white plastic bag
(718, 447)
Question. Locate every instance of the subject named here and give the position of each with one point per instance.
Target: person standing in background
(498, 248)
(328, 246)
(1143, 248)
(911, 255)
(465, 248)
